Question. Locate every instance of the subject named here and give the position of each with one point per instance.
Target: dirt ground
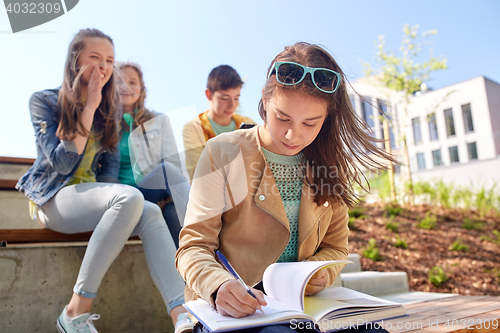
(472, 272)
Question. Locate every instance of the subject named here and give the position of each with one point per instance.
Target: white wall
(475, 174)
(484, 97)
(453, 97)
(493, 92)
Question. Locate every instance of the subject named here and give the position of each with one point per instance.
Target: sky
(177, 43)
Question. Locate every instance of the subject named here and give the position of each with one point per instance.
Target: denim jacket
(57, 160)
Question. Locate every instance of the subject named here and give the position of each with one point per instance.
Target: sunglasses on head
(291, 73)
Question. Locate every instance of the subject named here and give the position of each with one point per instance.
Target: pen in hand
(231, 270)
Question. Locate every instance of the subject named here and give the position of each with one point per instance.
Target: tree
(403, 75)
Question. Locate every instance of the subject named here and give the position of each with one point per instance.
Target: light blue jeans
(114, 212)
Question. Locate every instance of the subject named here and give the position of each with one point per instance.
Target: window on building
(467, 113)
(436, 158)
(454, 154)
(417, 134)
(472, 149)
(433, 130)
(450, 125)
(382, 105)
(421, 161)
(353, 101)
(367, 110)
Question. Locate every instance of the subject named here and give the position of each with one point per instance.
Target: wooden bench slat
(8, 184)
(42, 236)
(16, 160)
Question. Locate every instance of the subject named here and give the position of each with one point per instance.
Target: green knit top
(218, 129)
(289, 176)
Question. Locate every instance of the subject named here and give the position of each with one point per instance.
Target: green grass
(400, 243)
(393, 210)
(379, 183)
(459, 246)
(352, 223)
(495, 239)
(437, 276)
(429, 222)
(392, 226)
(472, 224)
(356, 212)
(485, 199)
(372, 251)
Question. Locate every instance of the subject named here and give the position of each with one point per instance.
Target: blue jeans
(114, 212)
(167, 180)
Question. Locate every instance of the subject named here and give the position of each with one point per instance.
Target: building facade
(452, 133)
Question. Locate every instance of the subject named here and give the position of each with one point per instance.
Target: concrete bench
(39, 267)
(368, 282)
(36, 281)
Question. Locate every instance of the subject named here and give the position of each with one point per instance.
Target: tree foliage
(400, 71)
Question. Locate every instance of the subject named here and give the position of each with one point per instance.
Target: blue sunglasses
(291, 73)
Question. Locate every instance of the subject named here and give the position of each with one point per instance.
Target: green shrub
(428, 222)
(352, 223)
(472, 224)
(426, 191)
(459, 246)
(393, 210)
(392, 226)
(485, 200)
(400, 243)
(444, 193)
(495, 240)
(381, 185)
(356, 211)
(371, 251)
(437, 276)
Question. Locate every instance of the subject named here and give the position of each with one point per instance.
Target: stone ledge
(36, 282)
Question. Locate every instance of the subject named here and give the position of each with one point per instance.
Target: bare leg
(175, 312)
(79, 305)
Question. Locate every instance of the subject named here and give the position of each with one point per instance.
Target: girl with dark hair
(72, 184)
(278, 192)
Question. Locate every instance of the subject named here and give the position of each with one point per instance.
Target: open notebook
(330, 310)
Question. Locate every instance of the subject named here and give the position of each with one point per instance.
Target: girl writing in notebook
(72, 186)
(277, 192)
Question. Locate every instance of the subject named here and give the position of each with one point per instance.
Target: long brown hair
(344, 144)
(142, 114)
(71, 102)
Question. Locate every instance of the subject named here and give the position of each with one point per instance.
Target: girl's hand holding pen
(233, 300)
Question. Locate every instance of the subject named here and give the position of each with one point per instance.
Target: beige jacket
(235, 206)
(195, 135)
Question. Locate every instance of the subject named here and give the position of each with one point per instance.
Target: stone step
(36, 282)
(355, 266)
(376, 283)
(414, 297)
(13, 171)
(14, 211)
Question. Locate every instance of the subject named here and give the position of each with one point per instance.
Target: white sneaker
(184, 324)
(82, 323)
